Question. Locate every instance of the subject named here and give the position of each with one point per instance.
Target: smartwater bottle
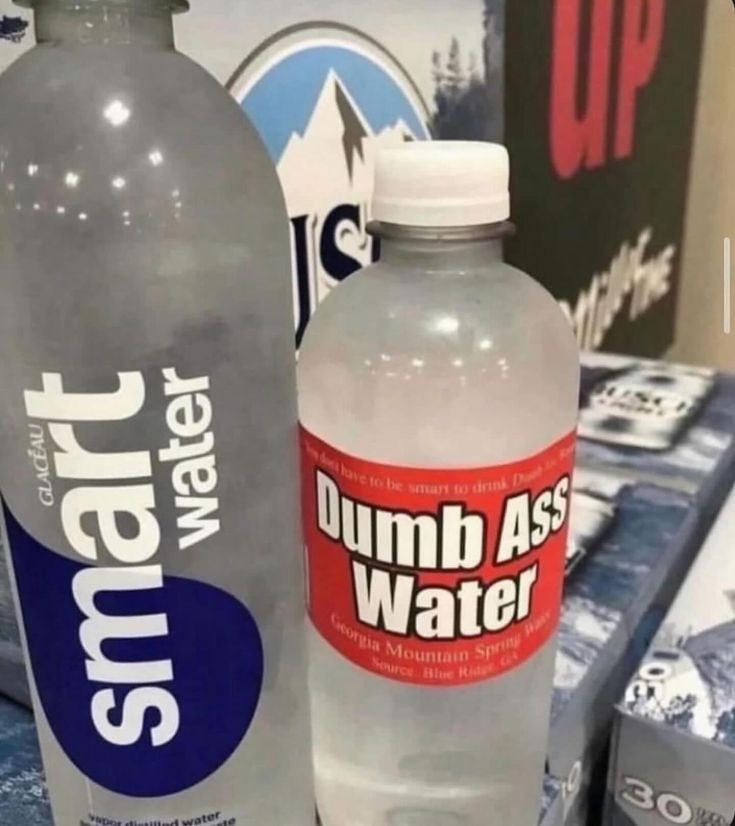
(438, 401)
(148, 430)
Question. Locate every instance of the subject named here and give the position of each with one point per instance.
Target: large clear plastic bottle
(438, 359)
(147, 430)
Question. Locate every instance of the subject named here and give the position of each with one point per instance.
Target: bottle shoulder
(131, 134)
(491, 314)
(117, 96)
(433, 370)
(59, 69)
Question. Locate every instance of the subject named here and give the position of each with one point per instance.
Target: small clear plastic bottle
(438, 370)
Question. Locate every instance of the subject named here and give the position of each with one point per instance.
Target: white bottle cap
(442, 184)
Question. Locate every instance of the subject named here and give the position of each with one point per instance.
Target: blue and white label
(149, 680)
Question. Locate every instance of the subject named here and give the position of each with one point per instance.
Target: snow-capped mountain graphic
(339, 142)
(330, 164)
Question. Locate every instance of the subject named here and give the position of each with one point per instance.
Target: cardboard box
(666, 428)
(671, 424)
(673, 754)
(636, 564)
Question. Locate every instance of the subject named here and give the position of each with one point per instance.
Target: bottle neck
(118, 22)
(451, 250)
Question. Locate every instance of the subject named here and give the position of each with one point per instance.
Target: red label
(435, 577)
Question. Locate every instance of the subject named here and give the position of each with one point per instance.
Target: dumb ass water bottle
(438, 400)
(147, 430)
